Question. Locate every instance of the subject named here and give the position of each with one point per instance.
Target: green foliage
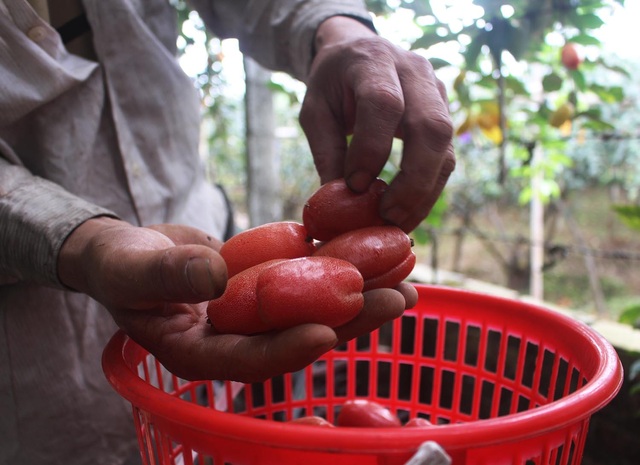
(629, 214)
(631, 316)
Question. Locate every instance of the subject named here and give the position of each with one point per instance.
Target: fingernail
(199, 276)
(359, 181)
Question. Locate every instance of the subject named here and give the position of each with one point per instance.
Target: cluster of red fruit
(363, 413)
(283, 274)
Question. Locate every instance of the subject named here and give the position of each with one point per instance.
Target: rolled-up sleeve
(31, 236)
(278, 34)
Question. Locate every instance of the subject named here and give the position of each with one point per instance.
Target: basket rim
(571, 409)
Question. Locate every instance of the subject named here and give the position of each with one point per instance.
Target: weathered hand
(363, 85)
(156, 283)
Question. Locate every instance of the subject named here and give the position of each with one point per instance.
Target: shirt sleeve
(279, 34)
(31, 236)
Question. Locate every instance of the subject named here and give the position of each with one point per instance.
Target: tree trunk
(264, 186)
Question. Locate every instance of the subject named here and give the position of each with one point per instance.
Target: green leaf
(438, 63)
(630, 316)
(421, 7)
(473, 50)
(612, 94)
(587, 21)
(430, 39)
(585, 39)
(629, 214)
(515, 85)
(552, 82)
(578, 78)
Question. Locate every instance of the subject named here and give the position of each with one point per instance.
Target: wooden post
(536, 225)
(264, 186)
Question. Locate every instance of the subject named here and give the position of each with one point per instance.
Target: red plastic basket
(504, 382)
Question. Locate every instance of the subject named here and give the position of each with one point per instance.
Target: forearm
(337, 29)
(278, 33)
(36, 216)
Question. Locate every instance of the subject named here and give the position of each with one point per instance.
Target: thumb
(180, 274)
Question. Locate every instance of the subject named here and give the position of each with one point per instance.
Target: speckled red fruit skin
(334, 209)
(365, 413)
(322, 290)
(236, 310)
(382, 254)
(283, 239)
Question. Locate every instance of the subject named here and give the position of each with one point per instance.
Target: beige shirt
(83, 137)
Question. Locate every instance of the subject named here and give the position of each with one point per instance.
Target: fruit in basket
(366, 413)
(418, 422)
(313, 420)
(323, 290)
(283, 239)
(334, 209)
(382, 254)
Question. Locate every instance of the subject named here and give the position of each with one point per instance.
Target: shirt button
(37, 33)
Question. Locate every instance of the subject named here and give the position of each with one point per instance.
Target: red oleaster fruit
(334, 209)
(314, 421)
(570, 57)
(322, 290)
(236, 310)
(382, 254)
(366, 413)
(285, 239)
(418, 422)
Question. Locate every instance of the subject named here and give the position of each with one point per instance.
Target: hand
(156, 283)
(363, 85)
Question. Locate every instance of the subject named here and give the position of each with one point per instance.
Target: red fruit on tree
(570, 57)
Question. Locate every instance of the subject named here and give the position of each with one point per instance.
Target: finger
(380, 306)
(428, 158)
(185, 274)
(326, 134)
(181, 234)
(380, 105)
(409, 292)
(254, 358)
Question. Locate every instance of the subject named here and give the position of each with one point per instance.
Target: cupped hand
(363, 85)
(156, 283)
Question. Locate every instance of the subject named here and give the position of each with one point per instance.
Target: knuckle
(387, 100)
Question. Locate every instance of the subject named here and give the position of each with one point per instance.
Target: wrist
(71, 259)
(339, 29)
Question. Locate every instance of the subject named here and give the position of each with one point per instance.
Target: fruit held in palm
(382, 254)
(236, 310)
(283, 239)
(334, 209)
(322, 290)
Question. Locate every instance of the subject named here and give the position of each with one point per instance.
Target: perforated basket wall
(503, 381)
